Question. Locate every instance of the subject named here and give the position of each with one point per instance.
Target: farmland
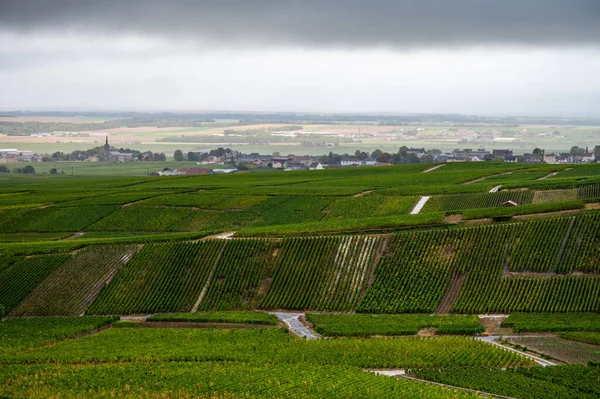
(195, 264)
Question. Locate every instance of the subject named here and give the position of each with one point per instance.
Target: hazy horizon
(489, 58)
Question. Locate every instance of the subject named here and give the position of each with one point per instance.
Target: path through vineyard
(451, 294)
(538, 360)
(292, 320)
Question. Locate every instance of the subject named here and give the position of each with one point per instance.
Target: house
(509, 203)
(257, 159)
(296, 166)
(510, 158)
(116, 156)
(588, 157)
(316, 166)
(502, 153)
(280, 162)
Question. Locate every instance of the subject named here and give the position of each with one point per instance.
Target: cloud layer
(318, 23)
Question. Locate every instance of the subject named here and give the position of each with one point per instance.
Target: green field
(206, 257)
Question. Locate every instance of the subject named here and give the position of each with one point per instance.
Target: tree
(29, 170)
(375, 154)
(597, 151)
(193, 156)
(575, 150)
(178, 155)
(4, 169)
(384, 157)
(53, 171)
(538, 151)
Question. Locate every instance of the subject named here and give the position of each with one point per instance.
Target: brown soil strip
(451, 294)
(44, 206)
(191, 324)
(363, 193)
(134, 202)
(593, 205)
(487, 177)
(92, 332)
(534, 216)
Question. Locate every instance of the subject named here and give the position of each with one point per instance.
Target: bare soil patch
(426, 332)
(453, 219)
(492, 323)
(593, 205)
(570, 352)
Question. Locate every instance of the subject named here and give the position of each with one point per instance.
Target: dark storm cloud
(318, 23)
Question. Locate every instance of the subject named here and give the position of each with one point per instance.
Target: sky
(480, 57)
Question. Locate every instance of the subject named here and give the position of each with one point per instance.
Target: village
(226, 160)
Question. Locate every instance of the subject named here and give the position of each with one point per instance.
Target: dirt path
(419, 205)
(451, 294)
(227, 235)
(487, 177)
(74, 235)
(548, 175)
(433, 168)
(292, 320)
(363, 193)
(538, 360)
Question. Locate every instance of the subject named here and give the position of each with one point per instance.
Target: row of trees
(28, 169)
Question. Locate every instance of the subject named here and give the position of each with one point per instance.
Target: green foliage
(321, 273)
(239, 273)
(563, 382)
(212, 379)
(218, 317)
(30, 332)
(405, 324)
(270, 346)
(159, 278)
(551, 322)
(522, 210)
(52, 219)
(141, 218)
(70, 289)
(585, 337)
(17, 280)
(476, 200)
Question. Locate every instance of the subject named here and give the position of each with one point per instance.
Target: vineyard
(159, 278)
(563, 382)
(70, 289)
(386, 289)
(346, 325)
(545, 265)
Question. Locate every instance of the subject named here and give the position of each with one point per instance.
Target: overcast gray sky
(522, 57)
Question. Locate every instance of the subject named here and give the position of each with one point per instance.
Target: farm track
(487, 177)
(433, 168)
(451, 294)
(292, 321)
(419, 205)
(538, 360)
